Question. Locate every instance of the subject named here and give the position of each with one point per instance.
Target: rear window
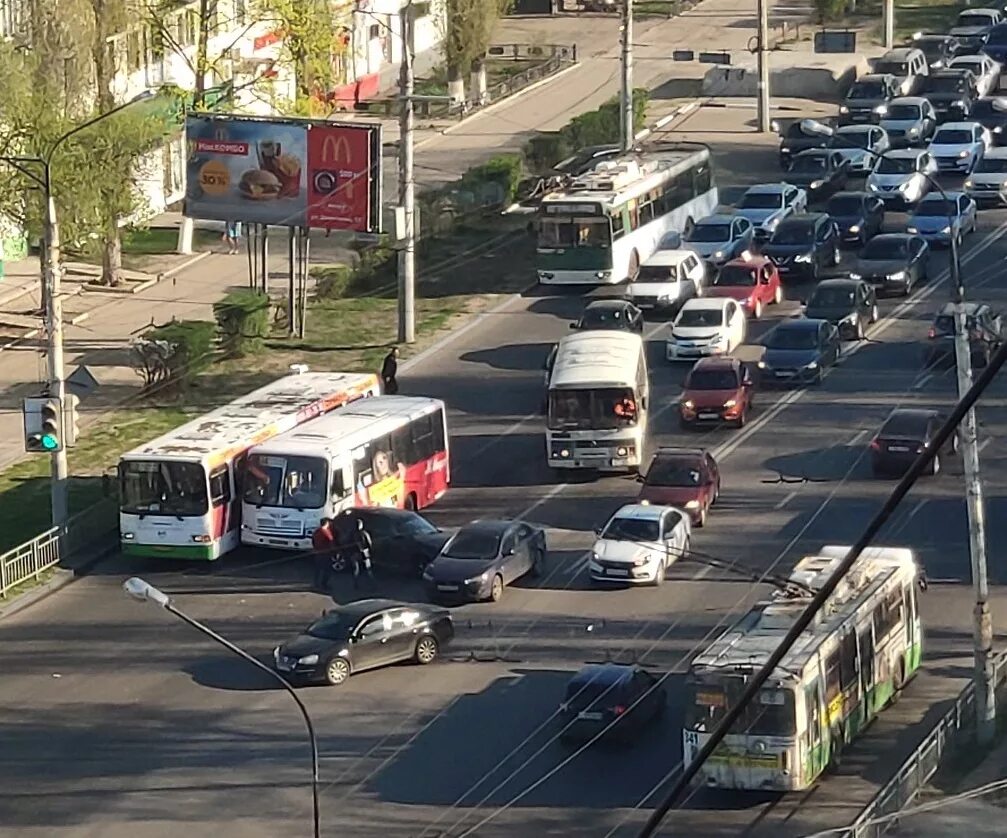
(910, 425)
(583, 694)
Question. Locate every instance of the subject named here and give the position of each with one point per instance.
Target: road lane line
(856, 438)
(920, 383)
(984, 443)
(786, 500)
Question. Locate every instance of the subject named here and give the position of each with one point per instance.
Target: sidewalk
(443, 154)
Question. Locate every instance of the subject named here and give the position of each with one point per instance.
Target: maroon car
(688, 478)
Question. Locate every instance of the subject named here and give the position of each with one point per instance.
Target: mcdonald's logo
(335, 153)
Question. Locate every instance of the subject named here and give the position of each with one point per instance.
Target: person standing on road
(323, 543)
(362, 556)
(389, 369)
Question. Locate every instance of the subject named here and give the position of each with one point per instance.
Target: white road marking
(786, 500)
(922, 382)
(984, 443)
(856, 438)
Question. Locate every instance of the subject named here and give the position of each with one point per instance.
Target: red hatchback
(688, 478)
(754, 282)
(717, 390)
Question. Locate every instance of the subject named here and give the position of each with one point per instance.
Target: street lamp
(982, 628)
(53, 305)
(142, 591)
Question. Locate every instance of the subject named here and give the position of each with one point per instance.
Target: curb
(11, 344)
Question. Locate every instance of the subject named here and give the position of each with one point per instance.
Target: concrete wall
(804, 76)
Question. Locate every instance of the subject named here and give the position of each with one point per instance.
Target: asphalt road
(120, 721)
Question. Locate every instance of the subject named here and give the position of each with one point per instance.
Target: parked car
(850, 305)
(893, 263)
(401, 541)
(799, 351)
(902, 177)
(804, 245)
(958, 146)
(857, 215)
(707, 326)
(638, 544)
(362, 635)
(753, 281)
(610, 316)
(910, 121)
(666, 280)
(952, 94)
(716, 390)
(985, 328)
(972, 26)
(794, 139)
(938, 49)
(985, 70)
(987, 185)
(819, 171)
(940, 219)
(906, 434)
(686, 478)
(860, 145)
(766, 205)
(867, 99)
(991, 113)
(483, 557)
(611, 701)
(720, 238)
(995, 43)
(908, 66)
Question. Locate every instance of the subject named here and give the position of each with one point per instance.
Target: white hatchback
(639, 543)
(706, 326)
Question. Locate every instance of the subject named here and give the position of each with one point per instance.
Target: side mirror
(509, 551)
(597, 530)
(640, 478)
(573, 325)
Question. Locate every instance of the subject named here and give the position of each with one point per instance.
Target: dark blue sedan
(799, 351)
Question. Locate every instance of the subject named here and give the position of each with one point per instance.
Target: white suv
(639, 543)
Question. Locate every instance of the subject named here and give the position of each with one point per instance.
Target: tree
(468, 32)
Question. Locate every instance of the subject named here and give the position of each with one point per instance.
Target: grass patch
(436, 84)
(910, 17)
(657, 8)
(28, 585)
(154, 241)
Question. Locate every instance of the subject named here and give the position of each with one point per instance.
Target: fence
(954, 728)
(29, 561)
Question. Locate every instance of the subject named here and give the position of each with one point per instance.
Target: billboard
(292, 173)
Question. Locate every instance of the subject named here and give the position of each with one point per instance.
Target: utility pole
(627, 134)
(889, 20)
(982, 626)
(407, 184)
(765, 124)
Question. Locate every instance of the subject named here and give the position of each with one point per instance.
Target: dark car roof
(605, 674)
(364, 607)
(889, 237)
(803, 220)
(607, 305)
(839, 282)
(803, 324)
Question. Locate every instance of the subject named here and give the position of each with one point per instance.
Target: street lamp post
(142, 591)
(51, 300)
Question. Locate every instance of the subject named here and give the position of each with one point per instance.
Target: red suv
(754, 282)
(688, 478)
(717, 390)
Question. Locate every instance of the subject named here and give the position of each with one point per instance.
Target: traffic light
(43, 419)
(71, 420)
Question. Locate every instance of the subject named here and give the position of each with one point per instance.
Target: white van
(667, 279)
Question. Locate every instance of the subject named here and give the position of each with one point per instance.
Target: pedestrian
(232, 236)
(389, 369)
(362, 556)
(323, 543)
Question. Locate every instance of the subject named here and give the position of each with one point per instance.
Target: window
(422, 438)
(848, 660)
(220, 487)
(618, 225)
(402, 445)
(888, 615)
(240, 10)
(374, 32)
(134, 50)
(702, 178)
(671, 520)
(832, 676)
(339, 488)
(373, 626)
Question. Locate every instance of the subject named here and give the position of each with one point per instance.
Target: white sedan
(639, 543)
(706, 326)
(984, 68)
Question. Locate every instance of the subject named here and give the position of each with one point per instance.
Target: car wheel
(701, 519)
(875, 314)
(757, 309)
(427, 650)
(659, 576)
(859, 334)
(814, 271)
(778, 295)
(496, 589)
(954, 443)
(339, 563)
(634, 265)
(337, 671)
(935, 465)
(538, 562)
(742, 418)
(837, 257)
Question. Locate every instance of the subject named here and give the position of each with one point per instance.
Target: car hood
(950, 150)
(945, 96)
(790, 357)
(696, 332)
(968, 31)
(864, 104)
(705, 249)
(988, 177)
(730, 292)
(775, 250)
(796, 144)
(931, 222)
(760, 216)
(849, 220)
(700, 398)
(445, 569)
(648, 289)
(305, 644)
(624, 551)
(805, 178)
(880, 266)
(892, 180)
(853, 153)
(831, 313)
(900, 124)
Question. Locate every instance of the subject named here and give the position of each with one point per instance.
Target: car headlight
(641, 562)
(855, 228)
(843, 109)
(946, 229)
(998, 129)
(873, 187)
(851, 319)
(881, 109)
(689, 404)
(720, 338)
(905, 186)
(804, 257)
(812, 366)
(127, 536)
(912, 229)
(428, 576)
(968, 184)
(961, 103)
(854, 275)
(595, 557)
(912, 132)
(770, 224)
(692, 504)
(761, 365)
(963, 154)
(817, 184)
(308, 660)
(482, 577)
(731, 403)
(897, 275)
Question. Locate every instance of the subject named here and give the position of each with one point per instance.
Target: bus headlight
(201, 539)
(127, 536)
(603, 275)
(621, 451)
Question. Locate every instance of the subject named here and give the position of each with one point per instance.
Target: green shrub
(171, 355)
(504, 170)
(546, 150)
(826, 10)
(332, 281)
(243, 320)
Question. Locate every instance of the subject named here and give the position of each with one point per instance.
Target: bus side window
(848, 660)
(402, 445)
(422, 438)
(813, 701)
(220, 487)
(339, 489)
(832, 677)
(618, 228)
(701, 178)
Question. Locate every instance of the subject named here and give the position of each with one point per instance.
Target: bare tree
(468, 32)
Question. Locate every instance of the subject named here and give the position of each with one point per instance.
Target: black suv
(819, 171)
(803, 245)
(858, 215)
(794, 139)
(867, 97)
(985, 334)
(850, 305)
(952, 93)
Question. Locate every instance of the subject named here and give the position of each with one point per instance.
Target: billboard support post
(304, 255)
(292, 298)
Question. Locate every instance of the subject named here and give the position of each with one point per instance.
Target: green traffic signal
(49, 442)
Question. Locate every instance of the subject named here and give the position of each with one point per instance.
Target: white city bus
(179, 494)
(386, 451)
(597, 402)
(844, 669)
(610, 220)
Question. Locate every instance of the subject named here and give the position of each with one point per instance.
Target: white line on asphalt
(579, 565)
(984, 443)
(922, 382)
(548, 496)
(856, 438)
(786, 500)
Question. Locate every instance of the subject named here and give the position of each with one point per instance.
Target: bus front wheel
(410, 504)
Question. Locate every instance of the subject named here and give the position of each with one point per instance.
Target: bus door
(849, 673)
(866, 644)
(912, 626)
(340, 485)
(222, 517)
(814, 735)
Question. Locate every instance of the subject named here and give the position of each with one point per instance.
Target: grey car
(851, 305)
(720, 238)
(868, 98)
(910, 121)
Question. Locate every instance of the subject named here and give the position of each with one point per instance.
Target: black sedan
(859, 216)
(402, 541)
(611, 316)
(799, 352)
(906, 434)
(794, 139)
(362, 635)
(819, 171)
(482, 558)
(893, 263)
(611, 701)
(804, 245)
(848, 304)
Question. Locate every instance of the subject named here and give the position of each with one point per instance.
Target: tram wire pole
(627, 134)
(920, 464)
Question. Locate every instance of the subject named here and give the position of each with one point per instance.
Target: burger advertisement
(287, 173)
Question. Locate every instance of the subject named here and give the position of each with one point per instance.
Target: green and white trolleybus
(609, 221)
(845, 668)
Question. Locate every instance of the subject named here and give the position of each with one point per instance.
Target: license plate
(709, 415)
(900, 448)
(780, 374)
(447, 587)
(616, 572)
(590, 717)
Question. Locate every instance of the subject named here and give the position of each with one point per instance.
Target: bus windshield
(289, 482)
(771, 714)
(574, 232)
(163, 488)
(605, 409)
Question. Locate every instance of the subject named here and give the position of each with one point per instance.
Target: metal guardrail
(957, 725)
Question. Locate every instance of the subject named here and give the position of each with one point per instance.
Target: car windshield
(476, 543)
(781, 338)
(845, 205)
(607, 408)
(689, 317)
(162, 488)
(655, 273)
(333, 626)
(603, 317)
(286, 481)
(973, 19)
(932, 48)
(911, 425)
(632, 529)
(790, 234)
(895, 68)
(895, 165)
(834, 297)
(810, 164)
(857, 139)
(712, 380)
(796, 132)
(936, 206)
(946, 84)
(992, 166)
(886, 249)
(735, 276)
(416, 525)
(904, 112)
(952, 136)
(867, 90)
(761, 200)
(574, 232)
(969, 62)
(710, 233)
(985, 108)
